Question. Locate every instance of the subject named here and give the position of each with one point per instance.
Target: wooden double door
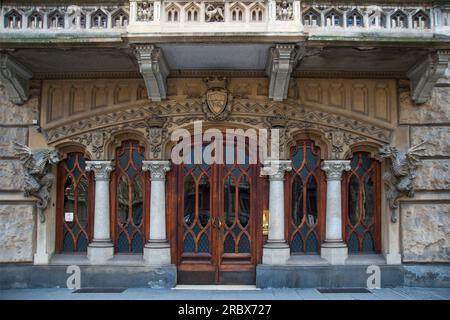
(218, 222)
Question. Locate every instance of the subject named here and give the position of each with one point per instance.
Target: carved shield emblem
(217, 100)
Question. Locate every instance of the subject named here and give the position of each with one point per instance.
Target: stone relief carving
(401, 173)
(285, 11)
(218, 102)
(144, 11)
(156, 134)
(214, 12)
(38, 178)
(340, 142)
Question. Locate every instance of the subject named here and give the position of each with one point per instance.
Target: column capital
(157, 168)
(101, 168)
(275, 169)
(334, 168)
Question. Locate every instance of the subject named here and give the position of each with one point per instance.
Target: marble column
(101, 248)
(276, 250)
(157, 249)
(334, 249)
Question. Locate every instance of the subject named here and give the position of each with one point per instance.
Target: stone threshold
(132, 260)
(353, 259)
(216, 287)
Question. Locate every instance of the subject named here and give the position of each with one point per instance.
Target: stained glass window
(362, 208)
(75, 214)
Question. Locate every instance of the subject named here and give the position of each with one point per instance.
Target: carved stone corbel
(424, 75)
(282, 60)
(15, 78)
(154, 70)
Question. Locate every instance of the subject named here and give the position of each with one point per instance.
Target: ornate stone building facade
(92, 93)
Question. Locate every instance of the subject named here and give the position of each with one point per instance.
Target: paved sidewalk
(264, 294)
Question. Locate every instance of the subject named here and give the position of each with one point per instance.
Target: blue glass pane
(304, 172)
(122, 243)
(68, 243)
(70, 161)
(297, 244)
(312, 244)
(203, 243)
(297, 200)
(244, 244)
(196, 229)
(189, 245)
(82, 243)
(367, 245)
(297, 159)
(76, 172)
(353, 245)
(228, 244)
(137, 243)
(310, 157)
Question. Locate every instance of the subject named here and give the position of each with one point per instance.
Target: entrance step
(215, 287)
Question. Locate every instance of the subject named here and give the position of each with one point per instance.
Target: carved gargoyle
(401, 173)
(38, 179)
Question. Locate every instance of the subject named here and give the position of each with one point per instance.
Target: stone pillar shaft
(334, 249)
(157, 249)
(101, 248)
(276, 250)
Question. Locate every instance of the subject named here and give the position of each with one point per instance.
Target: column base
(393, 258)
(276, 253)
(157, 253)
(41, 258)
(334, 252)
(99, 252)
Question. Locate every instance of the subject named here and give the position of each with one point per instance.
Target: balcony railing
(265, 16)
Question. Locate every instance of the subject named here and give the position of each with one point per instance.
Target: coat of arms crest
(217, 103)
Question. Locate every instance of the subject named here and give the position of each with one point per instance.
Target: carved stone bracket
(15, 78)
(279, 67)
(154, 70)
(157, 169)
(425, 74)
(282, 60)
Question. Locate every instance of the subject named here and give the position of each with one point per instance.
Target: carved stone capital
(275, 169)
(154, 70)
(157, 169)
(101, 169)
(15, 78)
(425, 74)
(335, 168)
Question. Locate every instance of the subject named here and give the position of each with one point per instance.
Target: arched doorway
(218, 218)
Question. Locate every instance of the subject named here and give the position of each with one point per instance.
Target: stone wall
(17, 217)
(425, 219)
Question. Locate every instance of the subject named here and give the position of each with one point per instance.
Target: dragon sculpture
(400, 176)
(38, 179)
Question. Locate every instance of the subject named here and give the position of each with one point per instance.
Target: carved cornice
(335, 168)
(157, 169)
(101, 169)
